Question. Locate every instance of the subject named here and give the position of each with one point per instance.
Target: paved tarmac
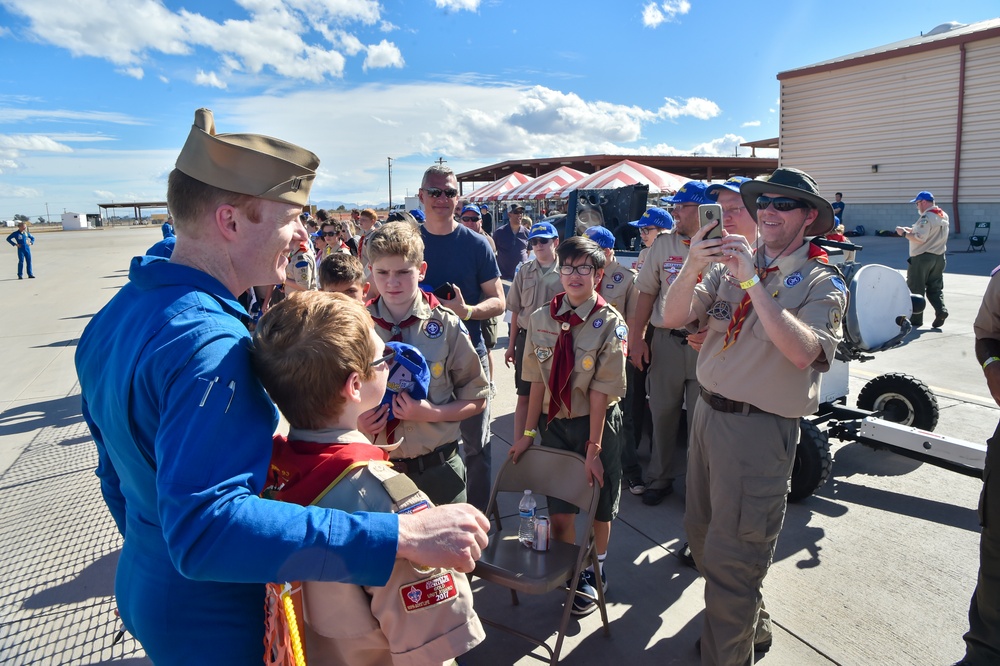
(876, 568)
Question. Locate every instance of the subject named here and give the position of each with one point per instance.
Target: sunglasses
(469, 218)
(539, 241)
(781, 204)
(390, 354)
(436, 192)
(582, 269)
(329, 233)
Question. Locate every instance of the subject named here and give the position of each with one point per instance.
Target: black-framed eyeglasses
(647, 230)
(539, 241)
(582, 269)
(781, 204)
(389, 355)
(436, 192)
(469, 218)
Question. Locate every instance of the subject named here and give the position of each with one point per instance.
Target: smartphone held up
(710, 215)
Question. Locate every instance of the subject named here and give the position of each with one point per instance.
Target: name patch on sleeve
(428, 592)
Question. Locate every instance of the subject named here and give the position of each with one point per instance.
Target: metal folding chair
(977, 241)
(556, 473)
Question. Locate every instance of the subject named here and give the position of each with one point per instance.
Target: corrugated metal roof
(940, 36)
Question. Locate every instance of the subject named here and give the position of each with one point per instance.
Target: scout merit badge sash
(563, 358)
(408, 371)
(746, 304)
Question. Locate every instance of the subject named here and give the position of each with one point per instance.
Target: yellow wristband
(531, 433)
(468, 313)
(749, 283)
(991, 359)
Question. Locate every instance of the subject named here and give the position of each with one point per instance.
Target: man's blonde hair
(397, 239)
(370, 214)
(304, 350)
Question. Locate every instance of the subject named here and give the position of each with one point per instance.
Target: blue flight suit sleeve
(110, 483)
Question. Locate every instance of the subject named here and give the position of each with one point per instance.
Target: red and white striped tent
(545, 186)
(626, 173)
(493, 190)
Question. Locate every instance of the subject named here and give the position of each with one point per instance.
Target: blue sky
(97, 96)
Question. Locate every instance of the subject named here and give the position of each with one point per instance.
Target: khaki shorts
(489, 329)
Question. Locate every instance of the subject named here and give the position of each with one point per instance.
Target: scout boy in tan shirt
(535, 284)
(427, 431)
(575, 361)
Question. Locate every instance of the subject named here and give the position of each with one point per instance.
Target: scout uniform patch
(672, 267)
(428, 592)
(432, 329)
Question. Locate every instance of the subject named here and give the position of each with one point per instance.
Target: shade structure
(493, 190)
(626, 173)
(545, 186)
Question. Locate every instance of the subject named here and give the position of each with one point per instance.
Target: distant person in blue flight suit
(183, 426)
(22, 240)
(168, 227)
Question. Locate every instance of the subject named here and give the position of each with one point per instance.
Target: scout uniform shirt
(301, 267)
(930, 232)
(662, 264)
(599, 346)
(618, 288)
(418, 617)
(752, 369)
(456, 373)
(987, 323)
(533, 286)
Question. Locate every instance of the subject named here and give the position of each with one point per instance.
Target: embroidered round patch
(588, 362)
(617, 277)
(621, 333)
(432, 329)
(437, 369)
(598, 322)
(793, 279)
(835, 317)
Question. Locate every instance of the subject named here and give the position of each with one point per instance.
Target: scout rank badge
(672, 266)
(428, 592)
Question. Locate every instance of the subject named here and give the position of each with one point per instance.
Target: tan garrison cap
(247, 163)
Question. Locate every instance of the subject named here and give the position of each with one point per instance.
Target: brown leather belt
(418, 465)
(721, 404)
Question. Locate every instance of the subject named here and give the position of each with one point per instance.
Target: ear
(352, 388)
(226, 221)
(365, 288)
(422, 271)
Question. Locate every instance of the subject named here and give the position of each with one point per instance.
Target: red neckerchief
(397, 329)
(300, 472)
(746, 305)
(563, 358)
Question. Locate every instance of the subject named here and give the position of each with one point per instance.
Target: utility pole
(47, 220)
(390, 182)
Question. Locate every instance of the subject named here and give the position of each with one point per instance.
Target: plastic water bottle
(526, 533)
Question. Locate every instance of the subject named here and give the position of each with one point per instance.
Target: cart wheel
(901, 399)
(813, 461)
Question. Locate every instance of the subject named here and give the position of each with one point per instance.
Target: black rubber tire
(901, 399)
(813, 462)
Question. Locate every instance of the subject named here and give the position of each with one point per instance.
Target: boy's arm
(509, 355)
(523, 442)
(407, 408)
(598, 410)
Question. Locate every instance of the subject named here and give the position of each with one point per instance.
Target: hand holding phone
(446, 291)
(708, 215)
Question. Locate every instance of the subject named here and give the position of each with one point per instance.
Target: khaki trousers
(671, 378)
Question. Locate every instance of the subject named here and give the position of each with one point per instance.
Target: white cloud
(654, 14)
(104, 195)
(17, 192)
(387, 26)
(209, 79)
(134, 72)
(163, 79)
(457, 5)
(751, 123)
(382, 55)
(697, 107)
(22, 115)
(19, 142)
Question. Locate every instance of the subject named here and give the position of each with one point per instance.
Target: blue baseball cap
(602, 236)
(922, 196)
(733, 185)
(471, 209)
(692, 191)
(542, 230)
(418, 214)
(655, 217)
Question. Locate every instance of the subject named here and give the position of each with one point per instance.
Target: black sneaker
(636, 486)
(654, 496)
(685, 556)
(939, 320)
(585, 601)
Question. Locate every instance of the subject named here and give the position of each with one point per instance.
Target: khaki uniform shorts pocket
(762, 508)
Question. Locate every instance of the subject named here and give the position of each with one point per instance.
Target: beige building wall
(900, 114)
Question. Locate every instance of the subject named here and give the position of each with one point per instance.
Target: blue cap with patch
(692, 191)
(471, 209)
(732, 184)
(922, 196)
(408, 371)
(602, 236)
(655, 217)
(542, 230)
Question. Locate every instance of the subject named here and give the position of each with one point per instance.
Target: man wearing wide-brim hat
(183, 427)
(773, 316)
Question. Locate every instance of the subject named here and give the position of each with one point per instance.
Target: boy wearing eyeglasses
(325, 461)
(534, 286)
(575, 360)
(424, 433)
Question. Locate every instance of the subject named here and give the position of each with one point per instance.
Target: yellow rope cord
(293, 626)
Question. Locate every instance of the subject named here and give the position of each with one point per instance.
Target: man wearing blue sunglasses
(773, 315)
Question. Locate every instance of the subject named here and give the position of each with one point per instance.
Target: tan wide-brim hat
(792, 183)
(252, 164)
